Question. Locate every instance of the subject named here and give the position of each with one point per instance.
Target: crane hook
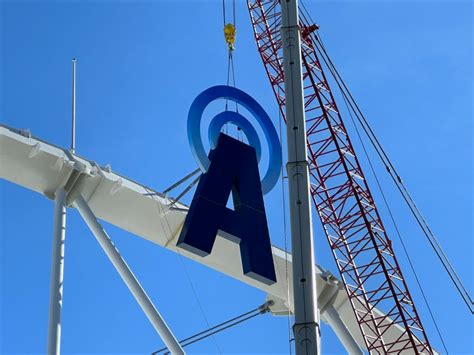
(229, 34)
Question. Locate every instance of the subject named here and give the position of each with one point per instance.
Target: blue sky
(140, 65)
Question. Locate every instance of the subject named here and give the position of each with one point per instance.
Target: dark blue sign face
(232, 167)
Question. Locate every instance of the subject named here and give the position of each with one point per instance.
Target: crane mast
(357, 237)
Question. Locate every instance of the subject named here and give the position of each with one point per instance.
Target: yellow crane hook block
(229, 33)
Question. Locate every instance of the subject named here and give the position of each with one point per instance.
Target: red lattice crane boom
(354, 229)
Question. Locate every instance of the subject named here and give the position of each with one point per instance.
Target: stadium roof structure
(45, 168)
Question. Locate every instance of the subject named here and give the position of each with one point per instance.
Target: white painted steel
(306, 327)
(335, 322)
(57, 274)
(144, 212)
(128, 277)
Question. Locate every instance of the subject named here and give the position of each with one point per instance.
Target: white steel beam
(128, 277)
(146, 213)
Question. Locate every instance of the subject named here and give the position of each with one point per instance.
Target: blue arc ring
(237, 119)
(228, 92)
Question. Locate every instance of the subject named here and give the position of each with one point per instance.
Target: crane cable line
(395, 225)
(394, 174)
(392, 171)
(285, 234)
(282, 123)
(230, 35)
(163, 212)
(391, 214)
(264, 308)
(224, 12)
(229, 32)
(406, 195)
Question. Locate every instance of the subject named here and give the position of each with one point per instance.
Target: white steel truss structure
(99, 193)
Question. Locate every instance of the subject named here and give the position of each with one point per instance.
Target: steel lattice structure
(357, 237)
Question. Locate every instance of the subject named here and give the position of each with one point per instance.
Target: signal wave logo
(230, 93)
(232, 167)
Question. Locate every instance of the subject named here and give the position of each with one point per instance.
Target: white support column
(128, 277)
(306, 327)
(57, 274)
(346, 338)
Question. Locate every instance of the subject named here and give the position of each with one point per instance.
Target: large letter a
(233, 168)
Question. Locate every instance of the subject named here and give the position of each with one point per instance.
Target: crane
(373, 306)
(356, 234)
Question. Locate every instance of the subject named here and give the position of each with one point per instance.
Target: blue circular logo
(230, 93)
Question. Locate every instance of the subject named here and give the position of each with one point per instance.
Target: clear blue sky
(140, 65)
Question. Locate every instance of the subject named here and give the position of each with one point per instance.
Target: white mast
(306, 327)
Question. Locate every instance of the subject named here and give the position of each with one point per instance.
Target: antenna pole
(306, 327)
(73, 127)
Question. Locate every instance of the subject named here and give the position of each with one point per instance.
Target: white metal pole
(306, 327)
(346, 338)
(128, 277)
(73, 126)
(57, 274)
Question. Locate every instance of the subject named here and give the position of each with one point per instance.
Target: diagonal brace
(128, 277)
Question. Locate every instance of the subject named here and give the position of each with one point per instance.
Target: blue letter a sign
(233, 169)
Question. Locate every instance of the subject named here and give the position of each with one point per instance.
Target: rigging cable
(393, 173)
(395, 225)
(285, 234)
(175, 200)
(185, 191)
(223, 11)
(403, 190)
(163, 213)
(220, 327)
(179, 182)
(230, 35)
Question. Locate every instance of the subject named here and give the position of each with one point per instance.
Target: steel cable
(161, 211)
(395, 226)
(394, 174)
(413, 208)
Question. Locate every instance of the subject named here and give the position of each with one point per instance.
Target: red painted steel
(356, 235)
